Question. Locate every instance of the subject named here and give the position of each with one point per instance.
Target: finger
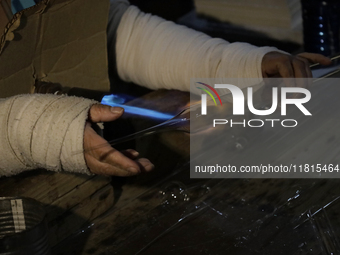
(105, 153)
(101, 168)
(112, 161)
(102, 113)
(301, 74)
(307, 68)
(145, 165)
(286, 71)
(117, 159)
(309, 75)
(299, 68)
(316, 58)
(130, 153)
(114, 157)
(300, 79)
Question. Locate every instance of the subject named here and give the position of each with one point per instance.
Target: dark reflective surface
(166, 212)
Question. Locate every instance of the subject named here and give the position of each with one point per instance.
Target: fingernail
(135, 153)
(116, 110)
(133, 170)
(149, 167)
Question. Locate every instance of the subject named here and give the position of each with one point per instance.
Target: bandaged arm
(156, 53)
(42, 131)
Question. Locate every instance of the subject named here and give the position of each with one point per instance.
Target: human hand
(276, 64)
(105, 160)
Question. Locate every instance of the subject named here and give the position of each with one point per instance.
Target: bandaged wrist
(42, 131)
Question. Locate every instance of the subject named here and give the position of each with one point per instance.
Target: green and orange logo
(204, 96)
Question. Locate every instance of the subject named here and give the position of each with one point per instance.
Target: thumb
(104, 113)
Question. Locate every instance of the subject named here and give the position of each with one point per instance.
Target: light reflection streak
(112, 100)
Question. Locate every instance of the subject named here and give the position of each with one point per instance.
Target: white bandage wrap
(160, 54)
(42, 131)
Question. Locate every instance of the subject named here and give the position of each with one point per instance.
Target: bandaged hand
(54, 133)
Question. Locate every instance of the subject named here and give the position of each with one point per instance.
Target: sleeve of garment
(42, 131)
(156, 53)
(117, 9)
